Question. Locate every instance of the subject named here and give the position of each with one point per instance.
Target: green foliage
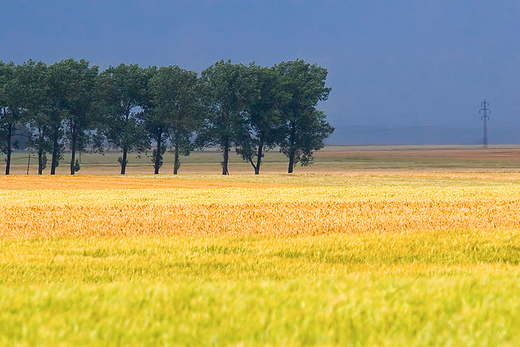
(157, 157)
(11, 108)
(43, 162)
(120, 161)
(124, 92)
(57, 153)
(177, 101)
(251, 109)
(306, 136)
(158, 120)
(73, 88)
(305, 128)
(38, 107)
(225, 87)
(261, 124)
(77, 166)
(55, 115)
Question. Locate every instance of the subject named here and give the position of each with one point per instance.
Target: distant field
(378, 258)
(330, 159)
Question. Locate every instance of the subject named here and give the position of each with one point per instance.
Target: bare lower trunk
(291, 163)
(259, 158)
(226, 158)
(55, 154)
(292, 153)
(73, 154)
(123, 163)
(9, 149)
(40, 161)
(157, 163)
(176, 162)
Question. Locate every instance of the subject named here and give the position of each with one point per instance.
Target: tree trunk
(292, 152)
(259, 157)
(9, 148)
(41, 139)
(55, 152)
(225, 142)
(40, 161)
(73, 150)
(176, 162)
(291, 163)
(157, 163)
(226, 158)
(123, 163)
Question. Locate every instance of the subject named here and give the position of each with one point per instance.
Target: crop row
(277, 219)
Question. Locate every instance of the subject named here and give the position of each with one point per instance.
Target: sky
(401, 72)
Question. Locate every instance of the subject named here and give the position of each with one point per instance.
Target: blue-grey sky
(408, 71)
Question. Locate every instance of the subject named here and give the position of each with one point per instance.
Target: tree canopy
(250, 109)
(177, 100)
(123, 91)
(305, 128)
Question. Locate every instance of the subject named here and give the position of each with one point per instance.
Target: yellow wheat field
(361, 259)
(108, 182)
(276, 219)
(77, 206)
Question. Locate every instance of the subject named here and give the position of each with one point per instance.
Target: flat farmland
(332, 159)
(381, 258)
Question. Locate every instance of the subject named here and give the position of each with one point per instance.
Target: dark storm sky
(400, 71)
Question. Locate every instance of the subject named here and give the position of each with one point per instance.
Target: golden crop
(366, 259)
(109, 182)
(76, 206)
(280, 219)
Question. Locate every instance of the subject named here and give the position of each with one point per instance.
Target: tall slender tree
(75, 86)
(56, 74)
(55, 131)
(304, 128)
(225, 88)
(261, 123)
(11, 107)
(157, 124)
(123, 91)
(176, 96)
(36, 105)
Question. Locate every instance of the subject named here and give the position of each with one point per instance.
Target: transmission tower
(485, 117)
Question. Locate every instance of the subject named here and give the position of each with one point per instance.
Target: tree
(123, 90)
(36, 103)
(158, 129)
(306, 136)
(261, 123)
(56, 112)
(224, 86)
(74, 86)
(11, 107)
(176, 100)
(55, 131)
(157, 124)
(304, 128)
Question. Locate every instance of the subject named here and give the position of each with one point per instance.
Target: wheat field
(382, 259)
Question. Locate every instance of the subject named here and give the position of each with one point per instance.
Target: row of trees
(248, 108)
